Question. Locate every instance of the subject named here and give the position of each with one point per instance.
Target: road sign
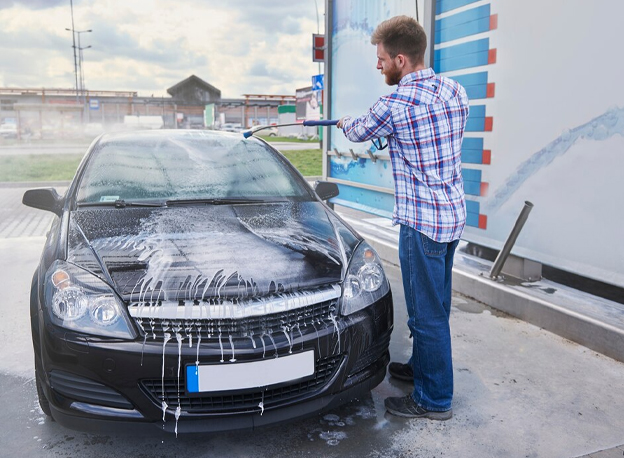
(94, 104)
(318, 82)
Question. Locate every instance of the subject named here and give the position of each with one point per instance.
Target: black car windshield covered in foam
(186, 165)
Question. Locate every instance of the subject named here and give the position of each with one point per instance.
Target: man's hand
(342, 121)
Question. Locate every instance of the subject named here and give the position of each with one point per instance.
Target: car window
(193, 165)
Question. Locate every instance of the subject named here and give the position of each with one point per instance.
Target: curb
(592, 333)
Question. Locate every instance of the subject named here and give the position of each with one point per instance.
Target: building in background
(52, 113)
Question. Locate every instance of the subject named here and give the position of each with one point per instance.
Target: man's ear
(402, 60)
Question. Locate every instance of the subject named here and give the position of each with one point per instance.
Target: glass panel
(186, 165)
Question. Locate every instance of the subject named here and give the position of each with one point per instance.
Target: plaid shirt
(424, 122)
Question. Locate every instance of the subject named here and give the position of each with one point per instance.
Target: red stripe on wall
(490, 90)
(484, 189)
(486, 158)
(482, 221)
(489, 123)
(492, 56)
(493, 21)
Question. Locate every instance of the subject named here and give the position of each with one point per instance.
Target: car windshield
(186, 166)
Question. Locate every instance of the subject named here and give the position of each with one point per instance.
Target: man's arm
(375, 124)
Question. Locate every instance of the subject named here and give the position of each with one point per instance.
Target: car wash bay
(519, 390)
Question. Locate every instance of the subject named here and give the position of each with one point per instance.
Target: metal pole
(317, 32)
(80, 68)
(428, 23)
(80, 79)
(71, 4)
(511, 240)
(327, 91)
(81, 72)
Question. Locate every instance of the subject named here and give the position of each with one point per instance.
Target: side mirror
(44, 199)
(326, 190)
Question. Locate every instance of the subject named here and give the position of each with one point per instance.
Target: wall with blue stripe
(471, 22)
(443, 6)
(456, 51)
(462, 45)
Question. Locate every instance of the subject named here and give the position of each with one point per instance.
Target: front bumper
(92, 382)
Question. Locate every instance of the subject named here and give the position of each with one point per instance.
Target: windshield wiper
(222, 201)
(120, 203)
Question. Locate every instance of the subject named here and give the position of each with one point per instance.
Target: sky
(147, 46)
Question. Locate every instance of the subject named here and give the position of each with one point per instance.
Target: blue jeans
(426, 267)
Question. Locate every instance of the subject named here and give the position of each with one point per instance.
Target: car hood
(205, 252)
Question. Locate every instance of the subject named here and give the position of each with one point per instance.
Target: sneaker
(406, 407)
(401, 371)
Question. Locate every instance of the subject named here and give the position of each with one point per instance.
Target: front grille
(207, 328)
(85, 390)
(174, 394)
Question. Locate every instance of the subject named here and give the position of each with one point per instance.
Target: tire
(43, 401)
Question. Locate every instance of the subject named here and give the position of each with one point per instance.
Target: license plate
(238, 376)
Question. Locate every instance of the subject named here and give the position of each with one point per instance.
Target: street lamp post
(317, 31)
(71, 3)
(80, 87)
(81, 60)
(82, 83)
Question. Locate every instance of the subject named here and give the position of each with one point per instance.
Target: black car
(194, 281)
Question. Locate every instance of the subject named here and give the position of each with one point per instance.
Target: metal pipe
(511, 240)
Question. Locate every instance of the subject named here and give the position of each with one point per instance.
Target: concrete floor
(519, 391)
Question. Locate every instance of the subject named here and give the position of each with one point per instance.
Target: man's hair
(402, 35)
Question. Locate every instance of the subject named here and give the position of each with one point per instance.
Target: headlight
(365, 281)
(80, 301)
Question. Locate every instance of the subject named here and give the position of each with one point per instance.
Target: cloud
(31, 4)
(146, 46)
(109, 41)
(281, 17)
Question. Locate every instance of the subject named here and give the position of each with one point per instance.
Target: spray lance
(377, 142)
(325, 122)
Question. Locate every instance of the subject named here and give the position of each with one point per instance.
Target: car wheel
(43, 401)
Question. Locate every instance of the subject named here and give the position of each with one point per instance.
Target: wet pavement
(519, 390)
(17, 220)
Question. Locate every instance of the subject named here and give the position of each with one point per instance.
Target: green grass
(308, 161)
(63, 166)
(39, 167)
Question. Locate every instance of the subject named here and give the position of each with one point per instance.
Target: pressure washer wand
(324, 122)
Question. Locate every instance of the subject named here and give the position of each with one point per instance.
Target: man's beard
(393, 76)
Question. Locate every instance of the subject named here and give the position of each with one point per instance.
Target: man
(424, 122)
